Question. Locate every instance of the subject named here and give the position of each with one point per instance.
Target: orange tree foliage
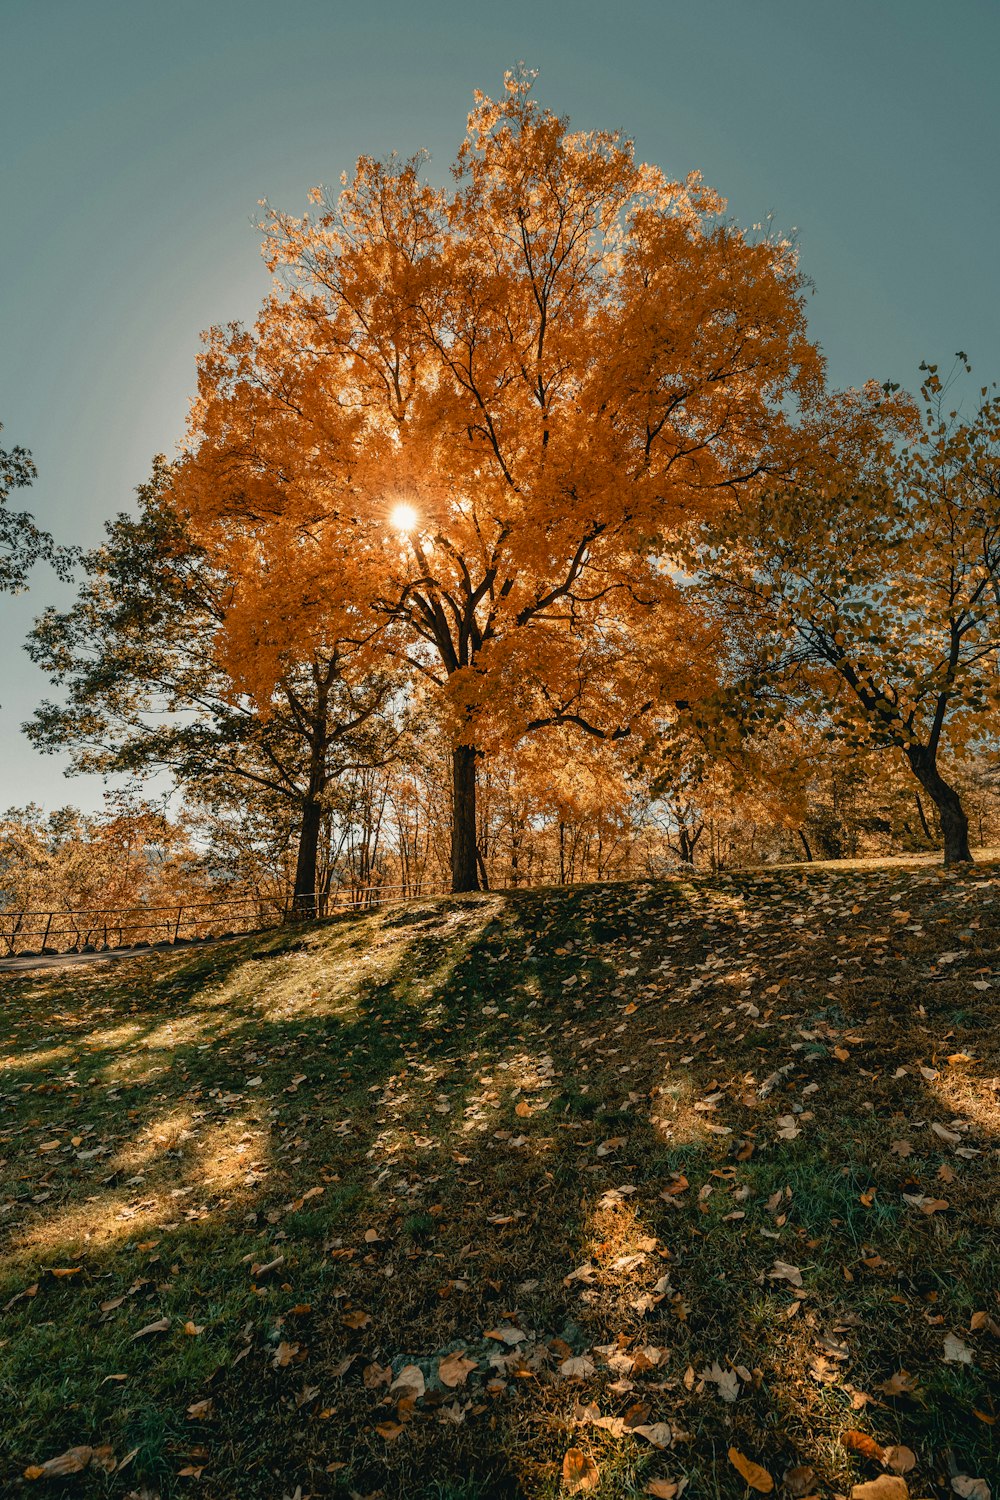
(559, 365)
(875, 580)
(89, 868)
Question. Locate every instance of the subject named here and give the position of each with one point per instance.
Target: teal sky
(136, 137)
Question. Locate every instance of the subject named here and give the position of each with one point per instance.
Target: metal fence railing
(26, 933)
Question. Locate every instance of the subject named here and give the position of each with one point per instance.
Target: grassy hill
(420, 1202)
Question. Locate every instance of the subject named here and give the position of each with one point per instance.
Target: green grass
(420, 1122)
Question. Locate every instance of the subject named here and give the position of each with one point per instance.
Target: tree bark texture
(954, 823)
(464, 863)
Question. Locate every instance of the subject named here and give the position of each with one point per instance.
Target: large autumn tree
(873, 576)
(490, 416)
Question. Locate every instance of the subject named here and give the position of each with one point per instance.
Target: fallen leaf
(969, 1488)
(389, 1430)
(506, 1335)
(660, 1434)
(258, 1270)
(284, 1354)
(756, 1477)
(799, 1482)
(65, 1271)
(73, 1461)
(955, 1351)
(193, 1329)
(900, 1384)
(664, 1489)
(613, 1143)
(159, 1326)
(885, 1487)
(411, 1381)
(862, 1442)
(726, 1382)
(925, 1204)
(784, 1272)
(455, 1369)
(579, 1472)
(899, 1458)
(198, 1410)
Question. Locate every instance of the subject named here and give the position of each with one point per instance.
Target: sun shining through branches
(404, 518)
(569, 361)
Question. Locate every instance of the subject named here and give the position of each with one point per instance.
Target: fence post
(48, 924)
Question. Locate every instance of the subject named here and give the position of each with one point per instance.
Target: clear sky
(136, 137)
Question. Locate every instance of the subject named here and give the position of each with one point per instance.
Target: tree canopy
(490, 418)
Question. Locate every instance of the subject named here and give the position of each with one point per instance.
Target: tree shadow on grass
(458, 1107)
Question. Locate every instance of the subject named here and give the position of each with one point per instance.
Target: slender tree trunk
(307, 859)
(923, 817)
(464, 864)
(515, 850)
(954, 823)
(805, 845)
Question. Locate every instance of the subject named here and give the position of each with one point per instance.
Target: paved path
(106, 955)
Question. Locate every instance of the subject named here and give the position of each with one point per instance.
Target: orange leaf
(579, 1472)
(756, 1477)
(356, 1319)
(389, 1430)
(885, 1487)
(863, 1443)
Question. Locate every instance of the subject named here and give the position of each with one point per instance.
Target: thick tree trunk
(464, 864)
(954, 823)
(307, 860)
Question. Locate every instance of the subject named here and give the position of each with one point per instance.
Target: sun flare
(404, 518)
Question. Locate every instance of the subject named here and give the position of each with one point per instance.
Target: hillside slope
(493, 1195)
